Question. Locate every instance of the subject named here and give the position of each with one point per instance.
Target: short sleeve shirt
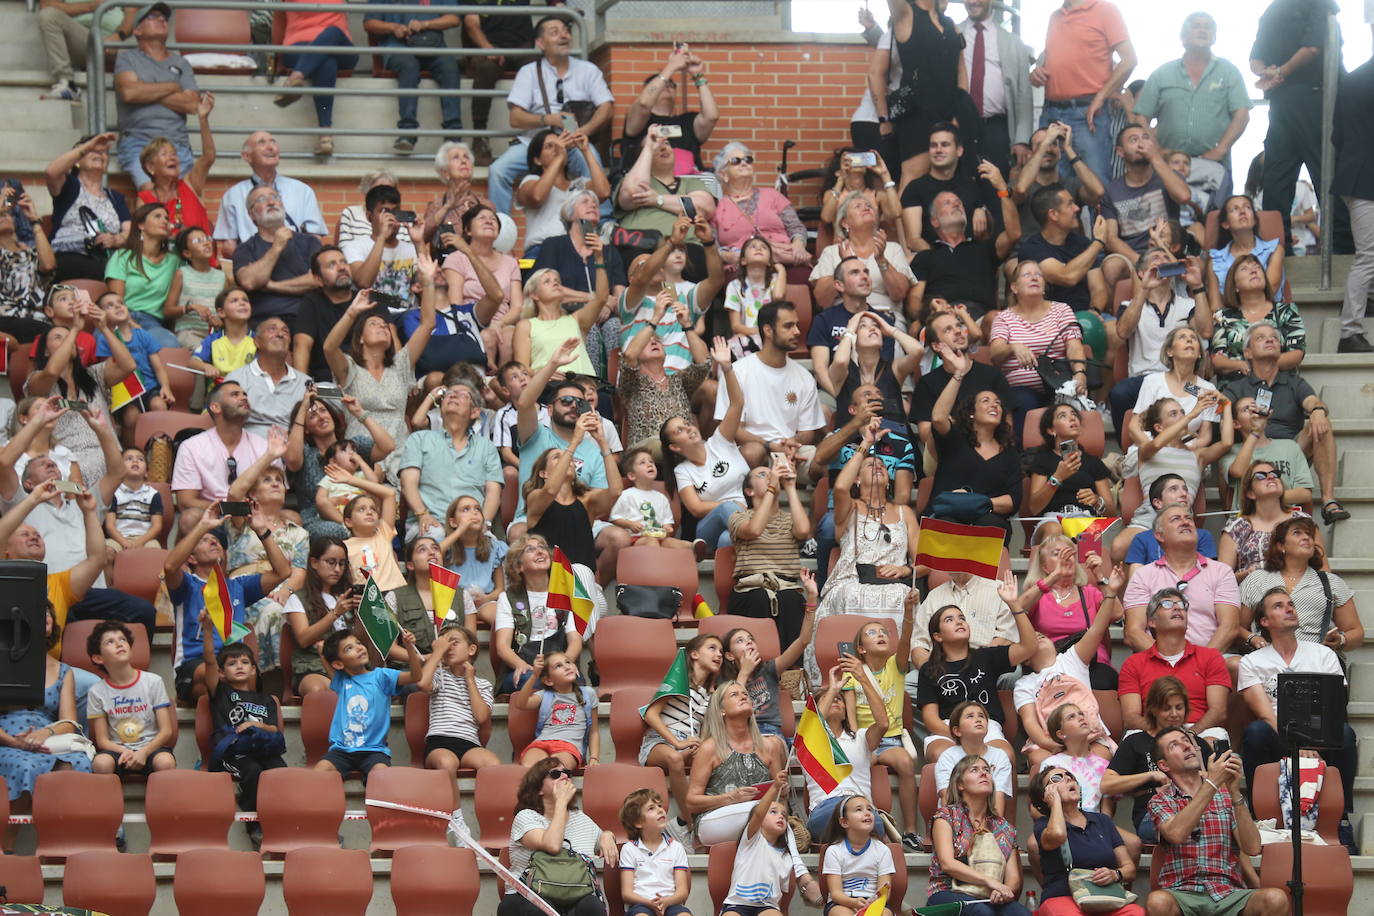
(829, 326)
(1287, 393)
(962, 827)
(879, 300)
(583, 83)
(792, 407)
(1191, 117)
(1035, 248)
(655, 870)
(294, 261)
(129, 710)
(1263, 667)
(297, 198)
(587, 461)
(1198, 669)
(860, 869)
(721, 478)
(971, 678)
(154, 119)
(581, 833)
(1049, 336)
(202, 462)
(188, 599)
(1210, 583)
(397, 267)
(445, 473)
(362, 717)
(1229, 335)
(1136, 209)
(1208, 863)
(1078, 48)
(890, 682)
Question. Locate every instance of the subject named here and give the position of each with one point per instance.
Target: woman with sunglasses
(1294, 560)
(965, 814)
(1264, 503)
(1247, 299)
(316, 424)
(547, 820)
(1093, 842)
(747, 210)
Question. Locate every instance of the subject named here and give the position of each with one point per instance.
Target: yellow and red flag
(700, 609)
(443, 588)
(126, 391)
(878, 904)
(819, 754)
(567, 593)
(218, 604)
(951, 547)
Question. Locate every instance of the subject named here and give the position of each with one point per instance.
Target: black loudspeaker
(1311, 711)
(23, 643)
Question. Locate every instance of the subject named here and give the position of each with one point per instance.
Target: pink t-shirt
(203, 462)
(1078, 48)
(1056, 620)
(1210, 583)
(507, 272)
(303, 27)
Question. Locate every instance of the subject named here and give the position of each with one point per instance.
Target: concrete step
(21, 43)
(1348, 398)
(1323, 369)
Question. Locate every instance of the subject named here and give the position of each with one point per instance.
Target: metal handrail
(96, 108)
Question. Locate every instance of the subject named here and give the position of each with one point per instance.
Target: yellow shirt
(227, 355)
(375, 554)
(890, 682)
(60, 594)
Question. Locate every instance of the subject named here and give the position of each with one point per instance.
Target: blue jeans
(825, 542)
(150, 323)
(445, 73)
(1023, 401)
(131, 145)
(714, 528)
(322, 70)
(512, 165)
(818, 820)
(1095, 147)
(975, 907)
(1123, 397)
(108, 604)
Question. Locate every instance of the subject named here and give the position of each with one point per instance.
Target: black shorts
(121, 770)
(457, 746)
(185, 680)
(356, 761)
(746, 909)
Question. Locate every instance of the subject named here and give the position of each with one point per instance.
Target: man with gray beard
(273, 265)
(320, 309)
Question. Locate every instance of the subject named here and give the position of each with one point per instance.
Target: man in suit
(1354, 183)
(998, 65)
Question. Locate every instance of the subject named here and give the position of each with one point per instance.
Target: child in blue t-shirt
(186, 570)
(157, 391)
(357, 736)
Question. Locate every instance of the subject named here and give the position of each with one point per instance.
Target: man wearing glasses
(438, 466)
(273, 266)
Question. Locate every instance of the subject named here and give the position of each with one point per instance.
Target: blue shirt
(1145, 548)
(1093, 846)
(476, 574)
(363, 715)
(391, 41)
(587, 461)
(141, 346)
(189, 600)
(828, 327)
(297, 198)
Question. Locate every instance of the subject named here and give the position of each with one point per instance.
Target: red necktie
(975, 79)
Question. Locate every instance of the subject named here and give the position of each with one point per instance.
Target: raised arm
(527, 405)
(958, 365)
(734, 394)
(335, 351)
(426, 269)
(201, 169)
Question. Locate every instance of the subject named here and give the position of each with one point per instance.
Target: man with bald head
(263, 155)
(273, 265)
(273, 387)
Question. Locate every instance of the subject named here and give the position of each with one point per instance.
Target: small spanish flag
(878, 904)
(700, 609)
(126, 391)
(218, 603)
(567, 593)
(1074, 525)
(951, 547)
(818, 753)
(443, 586)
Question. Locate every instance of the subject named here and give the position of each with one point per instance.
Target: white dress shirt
(994, 92)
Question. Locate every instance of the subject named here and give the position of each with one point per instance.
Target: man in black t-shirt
(494, 32)
(656, 103)
(948, 329)
(1070, 262)
(918, 198)
(1048, 146)
(319, 311)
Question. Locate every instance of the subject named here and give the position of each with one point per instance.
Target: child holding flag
(196, 582)
(358, 733)
(150, 373)
(459, 704)
(836, 756)
(858, 867)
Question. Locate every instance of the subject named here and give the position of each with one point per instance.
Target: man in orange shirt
(1080, 79)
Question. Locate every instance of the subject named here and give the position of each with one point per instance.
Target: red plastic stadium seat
(214, 27)
(765, 631)
(74, 637)
(627, 727)
(723, 577)
(605, 786)
(138, 572)
(838, 628)
(317, 714)
(1330, 803)
(114, 883)
(170, 422)
(434, 880)
(494, 802)
(299, 808)
(799, 294)
(927, 797)
(21, 876)
(521, 723)
(183, 384)
(634, 651)
(1328, 882)
(218, 882)
(327, 881)
(392, 829)
(189, 809)
(76, 812)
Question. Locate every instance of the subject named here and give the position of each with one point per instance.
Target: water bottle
(1031, 901)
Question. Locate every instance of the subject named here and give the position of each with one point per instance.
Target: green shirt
(652, 217)
(1193, 118)
(108, 22)
(144, 291)
(1287, 458)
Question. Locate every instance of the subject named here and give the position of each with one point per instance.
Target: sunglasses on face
(570, 400)
(740, 160)
(1060, 777)
(558, 773)
(1265, 475)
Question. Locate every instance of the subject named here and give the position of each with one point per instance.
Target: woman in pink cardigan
(320, 70)
(745, 210)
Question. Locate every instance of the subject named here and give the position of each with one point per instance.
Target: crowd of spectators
(409, 395)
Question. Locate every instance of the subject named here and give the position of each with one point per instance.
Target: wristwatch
(658, 201)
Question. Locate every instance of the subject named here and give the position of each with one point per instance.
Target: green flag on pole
(675, 682)
(380, 624)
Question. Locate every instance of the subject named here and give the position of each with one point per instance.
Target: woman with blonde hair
(965, 830)
(544, 325)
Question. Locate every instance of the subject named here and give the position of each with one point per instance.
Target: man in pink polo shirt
(1201, 670)
(1209, 585)
(208, 462)
(1080, 77)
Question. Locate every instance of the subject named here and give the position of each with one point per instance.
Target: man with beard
(918, 198)
(1049, 145)
(208, 462)
(273, 266)
(320, 309)
(945, 335)
(1147, 192)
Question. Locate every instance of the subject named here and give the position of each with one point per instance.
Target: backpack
(1060, 689)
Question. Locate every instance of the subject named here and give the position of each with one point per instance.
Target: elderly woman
(479, 228)
(22, 269)
(1094, 843)
(453, 164)
(142, 271)
(651, 198)
(89, 219)
(964, 817)
(353, 222)
(651, 393)
(549, 185)
(316, 29)
(746, 211)
(862, 238)
(1033, 328)
(547, 820)
(181, 193)
(1238, 237)
(23, 756)
(317, 424)
(871, 181)
(1248, 299)
(1293, 559)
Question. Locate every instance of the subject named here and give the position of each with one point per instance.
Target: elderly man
(320, 309)
(235, 224)
(1200, 103)
(547, 90)
(274, 264)
(208, 462)
(438, 466)
(1203, 824)
(977, 192)
(156, 90)
(1079, 76)
(1202, 670)
(66, 30)
(1050, 145)
(273, 387)
(1295, 411)
(998, 65)
(960, 269)
(1210, 586)
(405, 36)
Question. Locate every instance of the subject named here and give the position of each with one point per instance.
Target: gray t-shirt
(155, 119)
(567, 720)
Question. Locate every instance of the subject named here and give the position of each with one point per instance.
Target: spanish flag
(700, 609)
(819, 754)
(877, 904)
(218, 604)
(126, 391)
(1074, 525)
(443, 586)
(567, 593)
(951, 547)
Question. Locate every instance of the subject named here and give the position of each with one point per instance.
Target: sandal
(324, 146)
(1330, 515)
(288, 97)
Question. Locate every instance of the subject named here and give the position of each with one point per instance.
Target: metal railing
(97, 108)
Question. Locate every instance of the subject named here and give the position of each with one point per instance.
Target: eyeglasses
(740, 160)
(1265, 475)
(558, 773)
(1170, 604)
(317, 408)
(1060, 777)
(570, 400)
(334, 562)
(233, 466)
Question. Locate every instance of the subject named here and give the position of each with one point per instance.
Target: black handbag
(964, 508)
(659, 602)
(1054, 371)
(635, 240)
(429, 38)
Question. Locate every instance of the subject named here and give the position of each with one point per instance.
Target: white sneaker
(62, 89)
